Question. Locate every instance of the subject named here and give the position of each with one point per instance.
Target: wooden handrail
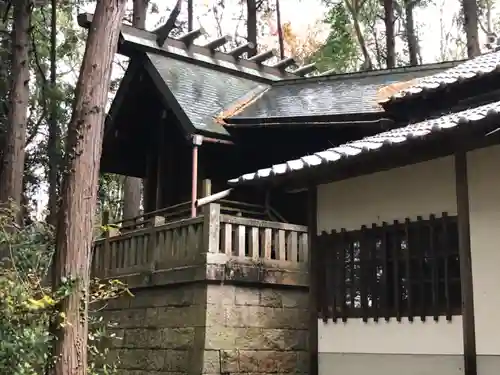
(182, 243)
(262, 223)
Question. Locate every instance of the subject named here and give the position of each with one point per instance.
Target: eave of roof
(372, 144)
(467, 70)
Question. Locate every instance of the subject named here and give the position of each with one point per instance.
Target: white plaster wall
(409, 192)
(484, 194)
(416, 190)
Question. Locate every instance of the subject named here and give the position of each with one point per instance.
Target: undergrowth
(28, 305)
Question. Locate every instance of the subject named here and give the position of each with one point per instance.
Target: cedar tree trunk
(80, 184)
(11, 181)
(471, 27)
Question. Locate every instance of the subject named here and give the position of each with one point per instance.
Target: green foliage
(340, 50)
(28, 306)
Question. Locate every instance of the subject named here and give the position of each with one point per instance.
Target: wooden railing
(188, 242)
(260, 239)
(183, 211)
(169, 245)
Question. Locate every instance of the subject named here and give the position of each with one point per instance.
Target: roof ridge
(372, 73)
(184, 48)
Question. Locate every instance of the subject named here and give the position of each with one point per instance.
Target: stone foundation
(255, 330)
(211, 328)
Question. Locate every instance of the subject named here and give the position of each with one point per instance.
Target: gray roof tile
(329, 95)
(203, 93)
(372, 143)
(482, 65)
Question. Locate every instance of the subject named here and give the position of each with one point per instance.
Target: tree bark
(190, 15)
(354, 9)
(281, 39)
(470, 11)
(139, 13)
(80, 185)
(411, 37)
(252, 26)
(132, 185)
(11, 181)
(390, 57)
(54, 139)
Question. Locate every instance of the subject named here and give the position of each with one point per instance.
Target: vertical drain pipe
(197, 141)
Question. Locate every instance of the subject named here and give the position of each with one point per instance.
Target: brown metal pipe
(194, 181)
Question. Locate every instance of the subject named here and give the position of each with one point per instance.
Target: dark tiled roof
(330, 95)
(482, 65)
(373, 143)
(201, 92)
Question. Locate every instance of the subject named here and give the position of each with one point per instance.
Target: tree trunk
(132, 185)
(411, 37)
(354, 12)
(139, 13)
(390, 57)
(279, 27)
(252, 25)
(80, 185)
(190, 15)
(54, 139)
(4, 90)
(11, 181)
(471, 27)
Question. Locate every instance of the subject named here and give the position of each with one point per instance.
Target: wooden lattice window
(404, 269)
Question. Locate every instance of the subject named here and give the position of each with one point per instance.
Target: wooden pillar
(312, 209)
(197, 142)
(464, 250)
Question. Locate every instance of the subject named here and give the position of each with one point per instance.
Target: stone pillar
(255, 329)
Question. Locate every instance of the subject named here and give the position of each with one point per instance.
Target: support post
(211, 228)
(206, 189)
(197, 141)
(312, 209)
(464, 250)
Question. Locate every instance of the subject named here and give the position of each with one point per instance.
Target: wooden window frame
(404, 269)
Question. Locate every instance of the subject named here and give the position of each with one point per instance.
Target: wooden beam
(312, 209)
(464, 250)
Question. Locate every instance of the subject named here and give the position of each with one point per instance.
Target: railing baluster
(240, 240)
(254, 243)
(304, 248)
(293, 247)
(167, 252)
(281, 246)
(152, 246)
(228, 238)
(106, 256)
(268, 243)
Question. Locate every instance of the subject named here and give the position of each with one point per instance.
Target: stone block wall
(212, 327)
(256, 330)
(159, 328)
